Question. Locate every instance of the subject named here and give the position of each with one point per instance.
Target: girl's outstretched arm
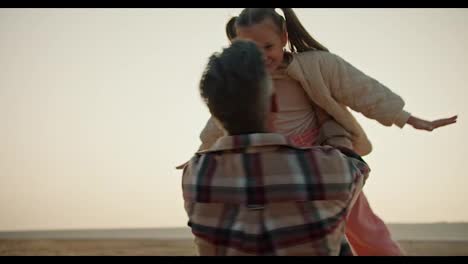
(418, 123)
(368, 96)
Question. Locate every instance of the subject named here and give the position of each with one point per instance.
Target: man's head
(237, 88)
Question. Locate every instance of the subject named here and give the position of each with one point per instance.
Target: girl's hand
(430, 125)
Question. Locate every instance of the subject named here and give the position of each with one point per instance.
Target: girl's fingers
(444, 122)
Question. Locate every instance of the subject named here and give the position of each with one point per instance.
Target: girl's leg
(367, 233)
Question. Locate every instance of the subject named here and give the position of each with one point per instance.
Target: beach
(175, 247)
(437, 239)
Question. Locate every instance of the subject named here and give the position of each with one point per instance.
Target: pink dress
(295, 117)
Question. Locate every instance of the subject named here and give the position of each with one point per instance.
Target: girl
(313, 89)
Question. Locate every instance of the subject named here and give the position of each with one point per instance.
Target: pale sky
(98, 106)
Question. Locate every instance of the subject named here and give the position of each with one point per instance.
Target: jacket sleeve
(333, 134)
(353, 88)
(210, 133)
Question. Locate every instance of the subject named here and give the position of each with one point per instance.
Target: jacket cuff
(402, 118)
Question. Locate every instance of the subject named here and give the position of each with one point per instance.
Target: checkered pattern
(258, 195)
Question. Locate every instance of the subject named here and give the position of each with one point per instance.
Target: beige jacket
(334, 85)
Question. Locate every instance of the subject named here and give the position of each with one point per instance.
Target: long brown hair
(299, 39)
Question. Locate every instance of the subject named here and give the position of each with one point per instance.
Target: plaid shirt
(258, 195)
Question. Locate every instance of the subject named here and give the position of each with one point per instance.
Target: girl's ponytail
(299, 39)
(231, 28)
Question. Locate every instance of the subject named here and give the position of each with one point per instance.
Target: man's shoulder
(240, 143)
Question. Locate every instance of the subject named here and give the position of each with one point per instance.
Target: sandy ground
(142, 247)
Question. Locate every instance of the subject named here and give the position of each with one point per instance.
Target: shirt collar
(249, 140)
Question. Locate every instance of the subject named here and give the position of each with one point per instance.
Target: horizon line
(183, 227)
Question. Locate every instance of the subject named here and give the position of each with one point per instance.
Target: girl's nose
(264, 55)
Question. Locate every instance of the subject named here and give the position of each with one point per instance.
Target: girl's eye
(268, 47)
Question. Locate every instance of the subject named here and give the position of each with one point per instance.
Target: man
(252, 193)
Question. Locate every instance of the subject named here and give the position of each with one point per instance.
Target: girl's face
(269, 40)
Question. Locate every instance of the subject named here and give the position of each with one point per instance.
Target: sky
(98, 106)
